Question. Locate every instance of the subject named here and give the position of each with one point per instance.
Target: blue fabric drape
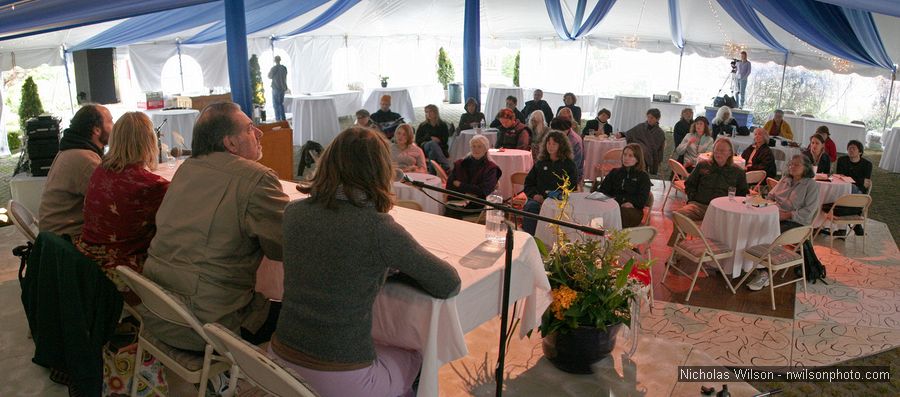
(236, 45)
(579, 29)
(259, 19)
(675, 24)
(52, 15)
(886, 7)
(827, 27)
(747, 19)
(472, 50)
(339, 7)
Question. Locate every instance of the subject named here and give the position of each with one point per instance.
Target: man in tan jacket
(79, 154)
(221, 214)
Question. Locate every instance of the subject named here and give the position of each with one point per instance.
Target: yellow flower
(563, 297)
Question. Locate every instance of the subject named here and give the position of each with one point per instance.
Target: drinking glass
(731, 192)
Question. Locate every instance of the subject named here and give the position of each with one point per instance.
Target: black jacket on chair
(72, 310)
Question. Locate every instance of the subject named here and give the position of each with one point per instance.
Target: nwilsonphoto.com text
(781, 374)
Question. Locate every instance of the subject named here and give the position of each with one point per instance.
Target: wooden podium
(278, 148)
(200, 102)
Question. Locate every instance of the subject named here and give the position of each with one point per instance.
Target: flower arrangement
(592, 285)
(384, 80)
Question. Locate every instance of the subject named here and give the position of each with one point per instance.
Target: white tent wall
(147, 61)
(214, 60)
(28, 59)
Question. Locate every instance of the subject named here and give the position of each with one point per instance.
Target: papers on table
(598, 196)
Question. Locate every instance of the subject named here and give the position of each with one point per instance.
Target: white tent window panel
(172, 76)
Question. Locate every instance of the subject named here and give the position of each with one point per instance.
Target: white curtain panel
(147, 61)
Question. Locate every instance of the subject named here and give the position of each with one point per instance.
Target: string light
(632, 41)
(838, 64)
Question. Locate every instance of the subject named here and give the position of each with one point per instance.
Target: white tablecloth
(738, 160)
(841, 133)
(739, 227)
(510, 161)
(459, 148)
(594, 149)
(401, 102)
(27, 190)
(179, 123)
(408, 318)
(346, 103)
(581, 211)
(629, 111)
(742, 142)
(496, 100)
(890, 160)
(314, 119)
(831, 191)
(408, 192)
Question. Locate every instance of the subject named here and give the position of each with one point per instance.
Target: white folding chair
(23, 219)
(611, 160)
(785, 252)
(439, 171)
(859, 201)
(698, 249)
(754, 177)
(679, 175)
(641, 238)
(771, 182)
(254, 365)
(189, 366)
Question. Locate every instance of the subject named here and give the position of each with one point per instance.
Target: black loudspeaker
(95, 75)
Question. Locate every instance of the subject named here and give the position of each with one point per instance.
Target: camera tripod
(734, 81)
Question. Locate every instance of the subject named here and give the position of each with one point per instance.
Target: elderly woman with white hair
(539, 128)
(723, 123)
(475, 175)
(759, 156)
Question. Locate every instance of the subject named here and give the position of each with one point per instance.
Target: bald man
(386, 119)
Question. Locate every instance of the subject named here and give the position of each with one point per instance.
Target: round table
(510, 162)
(739, 226)
(629, 111)
(178, 129)
(496, 100)
(400, 102)
(314, 119)
(580, 210)
(890, 160)
(407, 192)
(738, 160)
(594, 149)
(459, 148)
(831, 190)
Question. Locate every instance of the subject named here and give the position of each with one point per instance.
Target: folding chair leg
(204, 375)
(772, 287)
(694, 280)
(665, 198)
(138, 361)
(725, 276)
(746, 276)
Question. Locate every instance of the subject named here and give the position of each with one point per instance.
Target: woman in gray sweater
(340, 244)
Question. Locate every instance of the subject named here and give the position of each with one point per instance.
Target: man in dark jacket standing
(538, 103)
(651, 138)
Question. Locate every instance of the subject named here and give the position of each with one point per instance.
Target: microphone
(159, 138)
(178, 152)
(400, 176)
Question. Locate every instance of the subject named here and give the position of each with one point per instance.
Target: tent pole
(68, 80)
(680, 58)
(584, 43)
(236, 44)
(781, 88)
(180, 65)
(887, 110)
(472, 50)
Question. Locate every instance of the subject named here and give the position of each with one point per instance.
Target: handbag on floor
(119, 366)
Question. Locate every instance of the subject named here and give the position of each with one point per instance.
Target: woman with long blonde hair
(122, 198)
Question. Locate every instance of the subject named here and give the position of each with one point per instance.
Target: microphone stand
(507, 269)
(159, 138)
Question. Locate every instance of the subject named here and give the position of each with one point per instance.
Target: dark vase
(576, 350)
(383, 84)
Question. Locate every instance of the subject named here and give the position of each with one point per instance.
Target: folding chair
(771, 182)
(754, 177)
(641, 237)
(785, 252)
(860, 201)
(254, 365)
(679, 175)
(409, 204)
(23, 219)
(648, 209)
(189, 366)
(699, 249)
(439, 171)
(611, 160)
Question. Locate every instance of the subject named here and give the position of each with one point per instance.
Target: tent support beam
(781, 88)
(887, 110)
(180, 65)
(236, 44)
(680, 58)
(68, 79)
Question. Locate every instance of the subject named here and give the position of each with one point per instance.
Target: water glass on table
(731, 192)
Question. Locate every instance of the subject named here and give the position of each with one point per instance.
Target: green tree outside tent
(259, 91)
(31, 102)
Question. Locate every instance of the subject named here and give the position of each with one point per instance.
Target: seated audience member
(221, 215)
(539, 128)
(471, 118)
(80, 149)
(386, 119)
(565, 126)
(777, 126)
(723, 123)
(432, 137)
(710, 180)
(363, 119)
(334, 272)
(629, 185)
(759, 156)
(683, 126)
(474, 175)
(830, 147)
(512, 134)
(538, 103)
(857, 167)
(696, 142)
(569, 100)
(797, 197)
(122, 198)
(599, 125)
(815, 152)
(406, 155)
(651, 138)
(544, 179)
(511, 103)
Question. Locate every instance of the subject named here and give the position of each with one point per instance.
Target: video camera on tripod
(734, 65)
